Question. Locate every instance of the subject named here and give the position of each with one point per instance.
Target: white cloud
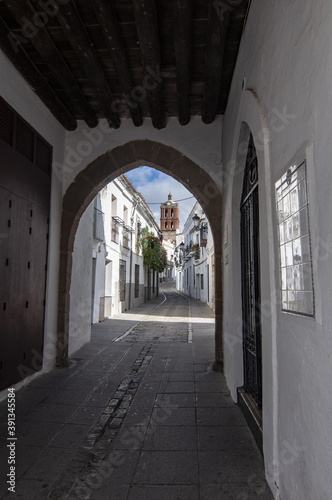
(155, 187)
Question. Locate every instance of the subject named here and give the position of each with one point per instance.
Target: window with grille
(115, 231)
(136, 281)
(295, 257)
(126, 238)
(122, 280)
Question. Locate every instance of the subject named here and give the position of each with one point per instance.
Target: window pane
(305, 248)
(297, 251)
(307, 277)
(291, 301)
(300, 302)
(297, 278)
(284, 300)
(289, 254)
(296, 225)
(283, 256)
(302, 194)
(282, 233)
(294, 200)
(301, 173)
(280, 211)
(290, 278)
(304, 220)
(288, 230)
(294, 241)
(286, 207)
(284, 279)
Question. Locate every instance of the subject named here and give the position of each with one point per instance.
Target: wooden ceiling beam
(182, 15)
(35, 79)
(104, 11)
(78, 38)
(22, 10)
(148, 36)
(219, 14)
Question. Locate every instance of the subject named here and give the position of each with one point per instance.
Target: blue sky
(155, 186)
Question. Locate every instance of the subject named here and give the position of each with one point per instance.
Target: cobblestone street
(138, 415)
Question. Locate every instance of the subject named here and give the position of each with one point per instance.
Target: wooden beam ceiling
(108, 24)
(35, 79)
(216, 35)
(90, 59)
(183, 59)
(42, 42)
(78, 37)
(148, 36)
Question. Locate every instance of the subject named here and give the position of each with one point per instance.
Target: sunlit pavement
(139, 415)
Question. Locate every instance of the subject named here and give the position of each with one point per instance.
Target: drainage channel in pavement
(83, 475)
(94, 462)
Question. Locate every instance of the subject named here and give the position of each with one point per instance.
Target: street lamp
(196, 220)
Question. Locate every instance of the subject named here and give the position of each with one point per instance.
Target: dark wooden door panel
(25, 166)
(36, 287)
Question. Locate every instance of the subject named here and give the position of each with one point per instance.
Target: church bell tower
(169, 219)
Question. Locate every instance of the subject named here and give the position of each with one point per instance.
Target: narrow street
(138, 415)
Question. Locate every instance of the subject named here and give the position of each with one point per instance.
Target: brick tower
(169, 219)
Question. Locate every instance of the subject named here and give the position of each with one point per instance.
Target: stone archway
(103, 170)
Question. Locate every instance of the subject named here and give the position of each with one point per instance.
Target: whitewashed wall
(202, 266)
(81, 282)
(107, 283)
(282, 90)
(199, 142)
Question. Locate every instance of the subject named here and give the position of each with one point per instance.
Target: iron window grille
(126, 236)
(136, 281)
(295, 256)
(116, 222)
(122, 280)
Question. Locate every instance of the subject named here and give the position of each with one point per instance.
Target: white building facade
(128, 283)
(195, 257)
(110, 231)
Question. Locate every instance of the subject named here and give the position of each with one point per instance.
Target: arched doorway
(103, 170)
(250, 278)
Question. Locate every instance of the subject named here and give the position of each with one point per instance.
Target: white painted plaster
(107, 252)
(287, 66)
(203, 265)
(81, 284)
(199, 142)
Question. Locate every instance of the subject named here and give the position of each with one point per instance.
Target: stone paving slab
(138, 417)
